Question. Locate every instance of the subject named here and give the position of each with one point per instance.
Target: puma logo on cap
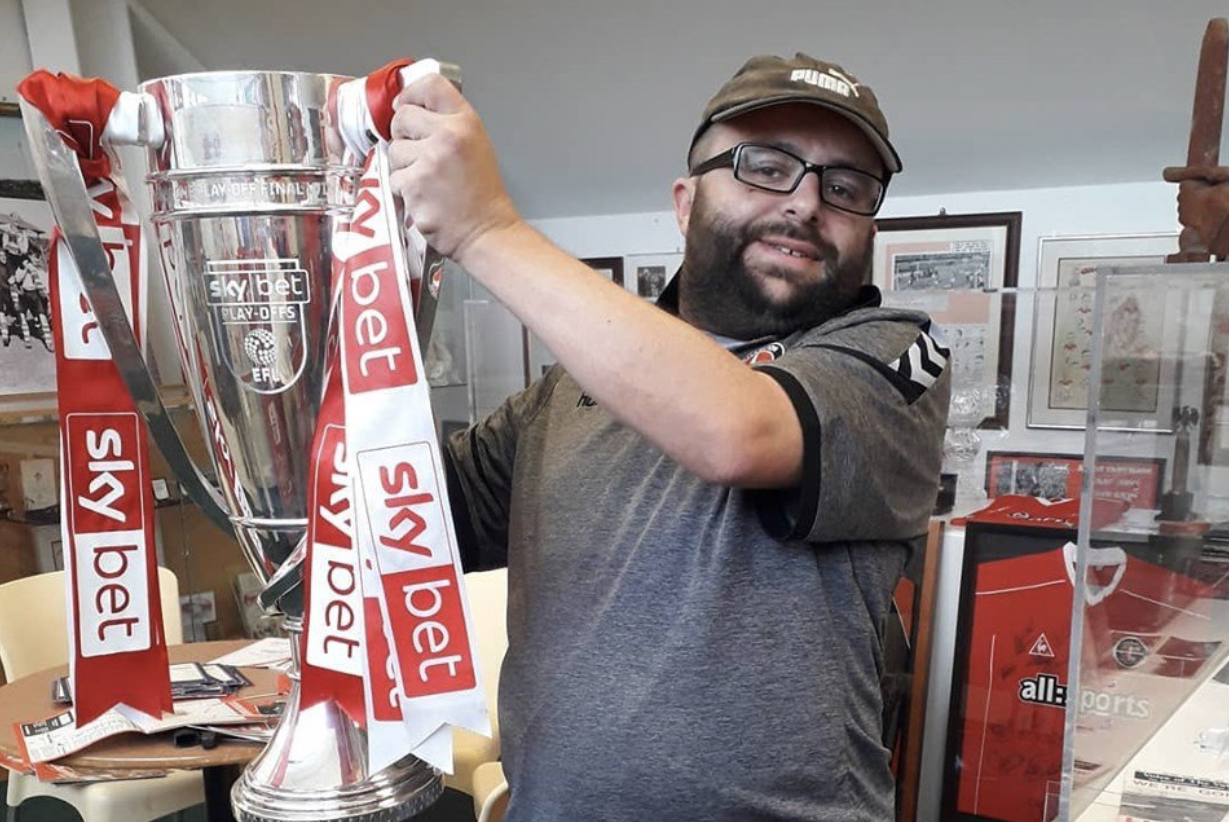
(831, 80)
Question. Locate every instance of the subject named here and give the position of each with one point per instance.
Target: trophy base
(314, 767)
(403, 789)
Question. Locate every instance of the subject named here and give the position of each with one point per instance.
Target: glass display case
(1140, 470)
(1147, 718)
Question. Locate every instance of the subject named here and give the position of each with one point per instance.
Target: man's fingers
(413, 122)
(402, 153)
(434, 92)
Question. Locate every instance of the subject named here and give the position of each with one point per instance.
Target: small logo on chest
(586, 401)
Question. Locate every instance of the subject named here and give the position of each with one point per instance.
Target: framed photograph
(27, 358)
(917, 259)
(537, 358)
(1135, 480)
(647, 274)
(609, 267)
(1139, 392)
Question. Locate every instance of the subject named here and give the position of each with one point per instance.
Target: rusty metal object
(1203, 216)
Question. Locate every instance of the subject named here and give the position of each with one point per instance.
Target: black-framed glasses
(775, 169)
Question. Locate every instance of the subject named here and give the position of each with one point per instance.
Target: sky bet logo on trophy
(295, 291)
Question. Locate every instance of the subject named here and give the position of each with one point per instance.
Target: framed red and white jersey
(1011, 686)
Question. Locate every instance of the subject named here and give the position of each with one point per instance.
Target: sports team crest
(765, 353)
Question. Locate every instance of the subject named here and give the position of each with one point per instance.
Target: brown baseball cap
(768, 80)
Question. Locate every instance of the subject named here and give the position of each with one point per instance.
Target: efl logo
(377, 341)
(404, 507)
(112, 592)
(105, 472)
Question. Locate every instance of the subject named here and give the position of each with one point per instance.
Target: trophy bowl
(248, 185)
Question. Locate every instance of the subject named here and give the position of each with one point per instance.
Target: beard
(718, 293)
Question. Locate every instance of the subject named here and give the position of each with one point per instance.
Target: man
(700, 553)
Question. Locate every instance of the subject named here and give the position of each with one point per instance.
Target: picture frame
(648, 274)
(986, 544)
(536, 357)
(1135, 480)
(1142, 397)
(916, 259)
(1015, 639)
(27, 358)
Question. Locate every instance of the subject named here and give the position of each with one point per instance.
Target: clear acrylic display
(1147, 734)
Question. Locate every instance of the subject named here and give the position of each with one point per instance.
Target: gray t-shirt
(680, 650)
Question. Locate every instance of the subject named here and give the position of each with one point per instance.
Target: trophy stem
(314, 768)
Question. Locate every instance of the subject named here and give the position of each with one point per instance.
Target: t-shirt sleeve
(873, 404)
(479, 463)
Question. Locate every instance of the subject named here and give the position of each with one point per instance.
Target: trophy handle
(356, 127)
(64, 185)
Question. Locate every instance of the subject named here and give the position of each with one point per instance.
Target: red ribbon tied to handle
(383, 86)
(78, 109)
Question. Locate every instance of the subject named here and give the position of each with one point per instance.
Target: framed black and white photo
(1139, 389)
(953, 266)
(646, 275)
(27, 358)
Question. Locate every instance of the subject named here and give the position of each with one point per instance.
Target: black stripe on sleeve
(774, 505)
(908, 389)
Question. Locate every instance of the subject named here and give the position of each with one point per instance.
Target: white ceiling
(591, 105)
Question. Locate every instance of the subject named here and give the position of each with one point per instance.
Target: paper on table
(59, 735)
(270, 652)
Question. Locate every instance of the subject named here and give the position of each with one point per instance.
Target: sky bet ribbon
(118, 647)
(383, 565)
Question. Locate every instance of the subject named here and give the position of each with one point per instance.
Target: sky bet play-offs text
(257, 291)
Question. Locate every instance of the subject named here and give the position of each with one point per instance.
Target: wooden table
(29, 698)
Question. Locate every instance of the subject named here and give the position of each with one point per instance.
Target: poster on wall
(1139, 389)
(27, 351)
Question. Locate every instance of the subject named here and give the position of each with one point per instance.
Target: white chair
(487, 592)
(34, 636)
(490, 792)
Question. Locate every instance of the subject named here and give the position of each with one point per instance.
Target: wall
(1115, 209)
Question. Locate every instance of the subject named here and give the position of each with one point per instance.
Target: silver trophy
(249, 176)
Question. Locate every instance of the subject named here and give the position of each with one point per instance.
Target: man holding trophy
(301, 312)
(700, 553)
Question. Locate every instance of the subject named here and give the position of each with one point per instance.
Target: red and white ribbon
(419, 675)
(118, 646)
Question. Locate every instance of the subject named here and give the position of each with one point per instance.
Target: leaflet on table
(189, 680)
(270, 652)
(59, 735)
